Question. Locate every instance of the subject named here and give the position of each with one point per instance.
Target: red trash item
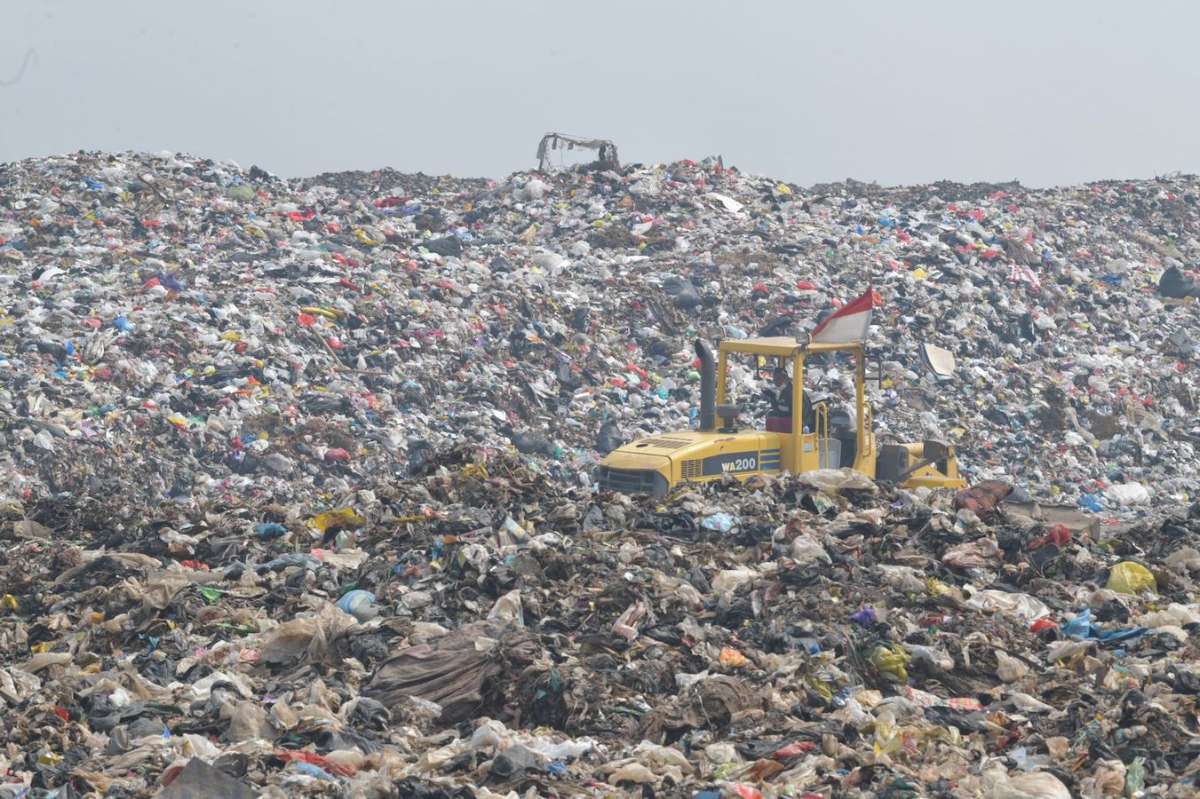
(794, 749)
(170, 775)
(965, 704)
(983, 499)
(1042, 624)
(316, 760)
(1058, 535)
(337, 455)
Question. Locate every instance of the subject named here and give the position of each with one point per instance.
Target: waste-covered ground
(296, 499)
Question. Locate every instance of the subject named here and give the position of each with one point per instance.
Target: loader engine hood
(634, 474)
(657, 452)
(646, 466)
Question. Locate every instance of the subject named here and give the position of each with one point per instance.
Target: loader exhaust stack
(708, 387)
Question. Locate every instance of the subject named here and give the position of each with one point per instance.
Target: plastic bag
(892, 662)
(359, 604)
(806, 549)
(1036, 785)
(1127, 494)
(887, 736)
(835, 481)
(720, 522)
(1025, 607)
(1135, 776)
(730, 658)
(1108, 778)
(1128, 577)
(508, 609)
(342, 517)
(1080, 626)
(1008, 668)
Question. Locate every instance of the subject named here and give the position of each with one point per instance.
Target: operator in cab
(779, 417)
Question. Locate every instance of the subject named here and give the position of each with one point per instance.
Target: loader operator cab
(779, 414)
(824, 435)
(831, 431)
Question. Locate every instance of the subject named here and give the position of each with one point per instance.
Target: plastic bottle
(359, 604)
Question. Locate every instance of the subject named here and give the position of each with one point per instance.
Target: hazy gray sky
(1048, 92)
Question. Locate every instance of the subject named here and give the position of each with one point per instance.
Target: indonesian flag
(848, 323)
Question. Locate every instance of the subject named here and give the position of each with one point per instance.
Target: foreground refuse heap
(296, 493)
(480, 630)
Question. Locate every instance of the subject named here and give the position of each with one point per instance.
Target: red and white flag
(848, 323)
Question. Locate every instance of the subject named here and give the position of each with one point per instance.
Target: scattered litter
(297, 486)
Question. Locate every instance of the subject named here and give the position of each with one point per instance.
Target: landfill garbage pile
(296, 497)
(183, 330)
(482, 630)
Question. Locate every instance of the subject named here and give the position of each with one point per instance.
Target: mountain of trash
(296, 490)
(177, 329)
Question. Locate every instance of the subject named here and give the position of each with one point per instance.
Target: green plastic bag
(1128, 577)
(892, 662)
(1135, 776)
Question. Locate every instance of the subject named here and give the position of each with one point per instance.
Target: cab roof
(785, 346)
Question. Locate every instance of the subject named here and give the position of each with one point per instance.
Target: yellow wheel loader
(812, 438)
